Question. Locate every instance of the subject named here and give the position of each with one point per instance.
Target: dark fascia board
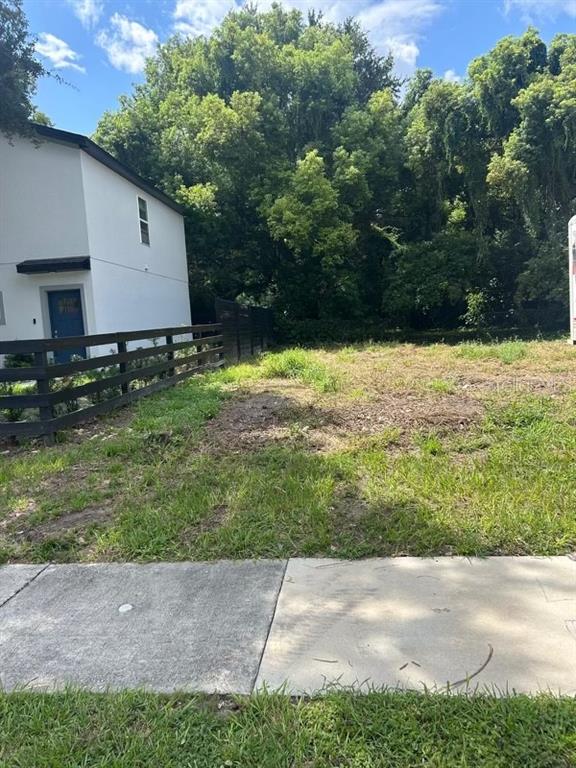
(92, 149)
(65, 264)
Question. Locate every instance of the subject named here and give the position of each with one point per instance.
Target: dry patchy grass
(369, 450)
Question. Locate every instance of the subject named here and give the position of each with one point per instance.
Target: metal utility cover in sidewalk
(508, 622)
(180, 626)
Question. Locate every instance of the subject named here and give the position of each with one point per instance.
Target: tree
(231, 123)
(310, 183)
(19, 69)
(499, 76)
(317, 269)
(41, 118)
(536, 168)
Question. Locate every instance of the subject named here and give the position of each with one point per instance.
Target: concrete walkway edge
(502, 623)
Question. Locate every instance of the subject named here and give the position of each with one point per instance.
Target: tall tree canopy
(312, 181)
(19, 69)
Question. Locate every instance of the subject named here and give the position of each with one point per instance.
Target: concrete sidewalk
(225, 627)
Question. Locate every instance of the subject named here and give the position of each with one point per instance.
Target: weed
(442, 386)
(507, 352)
(299, 364)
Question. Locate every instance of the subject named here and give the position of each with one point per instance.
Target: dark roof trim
(92, 149)
(41, 266)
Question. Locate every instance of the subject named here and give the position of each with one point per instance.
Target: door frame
(45, 290)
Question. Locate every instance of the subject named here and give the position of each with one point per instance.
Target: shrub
(18, 361)
(18, 388)
(476, 315)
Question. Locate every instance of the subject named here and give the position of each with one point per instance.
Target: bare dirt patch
(71, 522)
(281, 414)
(408, 411)
(18, 514)
(349, 509)
(258, 418)
(77, 476)
(216, 519)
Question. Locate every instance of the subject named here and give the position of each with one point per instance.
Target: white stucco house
(86, 245)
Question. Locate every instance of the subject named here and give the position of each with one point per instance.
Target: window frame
(143, 220)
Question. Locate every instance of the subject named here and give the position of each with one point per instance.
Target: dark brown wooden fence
(52, 396)
(55, 396)
(246, 331)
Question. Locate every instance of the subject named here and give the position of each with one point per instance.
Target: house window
(143, 217)
(2, 313)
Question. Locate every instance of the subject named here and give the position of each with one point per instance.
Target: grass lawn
(385, 449)
(385, 730)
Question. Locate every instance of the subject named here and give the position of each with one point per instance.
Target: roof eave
(99, 154)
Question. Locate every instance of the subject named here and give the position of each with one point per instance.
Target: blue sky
(99, 46)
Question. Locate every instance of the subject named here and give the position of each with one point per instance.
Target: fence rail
(110, 380)
(124, 367)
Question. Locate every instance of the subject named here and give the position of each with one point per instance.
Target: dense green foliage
(314, 182)
(19, 69)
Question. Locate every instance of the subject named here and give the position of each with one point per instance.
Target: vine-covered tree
(312, 182)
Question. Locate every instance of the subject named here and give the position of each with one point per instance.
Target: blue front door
(66, 319)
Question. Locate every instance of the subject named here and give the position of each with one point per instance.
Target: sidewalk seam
(265, 645)
(26, 584)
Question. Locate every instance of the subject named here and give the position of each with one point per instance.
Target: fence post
(43, 386)
(238, 335)
(122, 366)
(170, 355)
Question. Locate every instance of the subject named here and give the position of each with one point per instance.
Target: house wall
(135, 286)
(41, 216)
(57, 201)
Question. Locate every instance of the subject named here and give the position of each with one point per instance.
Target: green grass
(512, 496)
(297, 364)
(441, 386)
(507, 352)
(302, 365)
(505, 485)
(376, 730)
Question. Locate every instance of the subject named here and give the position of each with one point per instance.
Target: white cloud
(127, 43)
(397, 16)
(393, 25)
(532, 10)
(450, 76)
(199, 17)
(88, 11)
(396, 25)
(58, 53)
(404, 50)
